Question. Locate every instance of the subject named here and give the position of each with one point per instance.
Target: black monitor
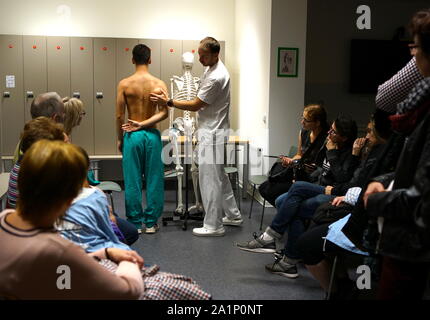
(375, 61)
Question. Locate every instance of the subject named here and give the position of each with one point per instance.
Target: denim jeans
(299, 203)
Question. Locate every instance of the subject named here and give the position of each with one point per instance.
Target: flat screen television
(375, 61)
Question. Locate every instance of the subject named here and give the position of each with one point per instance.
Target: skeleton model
(184, 88)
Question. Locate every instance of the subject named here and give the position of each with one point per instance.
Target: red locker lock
(10, 46)
(127, 49)
(82, 48)
(193, 51)
(34, 47)
(171, 50)
(104, 48)
(58, 47)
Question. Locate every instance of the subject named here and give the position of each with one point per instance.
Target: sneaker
(204, 232)
(258, 245)
(232, 222)
(153, 229)
(283, 268)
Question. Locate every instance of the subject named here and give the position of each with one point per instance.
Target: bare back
(137, 89)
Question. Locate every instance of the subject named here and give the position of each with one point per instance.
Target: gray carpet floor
(215, 263)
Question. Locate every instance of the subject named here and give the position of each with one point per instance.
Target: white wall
(286, 94)
(252, 72)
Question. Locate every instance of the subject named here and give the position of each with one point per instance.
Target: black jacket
(361, 174)
(342, 166)
(406, 228)
(386, 162)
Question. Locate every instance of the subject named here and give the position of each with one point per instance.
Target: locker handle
(76, 95)
(6, 94)
(30, 94)
(99, 95)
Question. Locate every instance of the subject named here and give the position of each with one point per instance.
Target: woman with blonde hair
(74, 111)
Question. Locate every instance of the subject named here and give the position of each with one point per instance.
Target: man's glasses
(413, 47)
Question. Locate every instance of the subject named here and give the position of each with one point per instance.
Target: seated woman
(90, 211)
(338, 167)
(34, 130)
(310, 152)
(51, 175)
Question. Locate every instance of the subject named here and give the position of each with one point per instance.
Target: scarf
(413, 108)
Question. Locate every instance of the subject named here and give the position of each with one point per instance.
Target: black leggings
(311, 243)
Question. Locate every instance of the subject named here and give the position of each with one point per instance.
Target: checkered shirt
(163, 285)
(395, 90)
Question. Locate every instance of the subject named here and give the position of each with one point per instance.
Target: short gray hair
(47, 105)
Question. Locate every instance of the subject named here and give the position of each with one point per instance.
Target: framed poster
(288, 62)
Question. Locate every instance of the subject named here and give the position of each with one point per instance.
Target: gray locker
(12, 99)
(171, 64)
(155, 46)
(124, 66)
(104, 97)
(82, 82)
(58, 62)
(35, 77)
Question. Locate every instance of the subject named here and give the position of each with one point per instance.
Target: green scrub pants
(142, 156)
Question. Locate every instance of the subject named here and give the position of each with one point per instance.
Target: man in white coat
(213, 105)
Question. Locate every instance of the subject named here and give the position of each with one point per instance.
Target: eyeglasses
(413, 46)
(332, 131)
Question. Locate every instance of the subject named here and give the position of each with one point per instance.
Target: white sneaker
(203, 232)
(232, 222)
(153, 229)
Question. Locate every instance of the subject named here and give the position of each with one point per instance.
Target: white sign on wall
(10, 81)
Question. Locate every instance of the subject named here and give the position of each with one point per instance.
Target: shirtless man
(141, 143)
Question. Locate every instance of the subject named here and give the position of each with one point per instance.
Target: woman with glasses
(74, 112)
(300, 202)
(310, 153)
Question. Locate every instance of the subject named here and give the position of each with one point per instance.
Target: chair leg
(238, 190)
(262, 214)
(252, 201)
(333, 270)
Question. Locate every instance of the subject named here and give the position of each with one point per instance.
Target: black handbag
(328, 213)
(279, 173)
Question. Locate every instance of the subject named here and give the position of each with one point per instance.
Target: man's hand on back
(132, 126)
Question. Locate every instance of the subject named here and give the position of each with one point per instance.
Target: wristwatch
(170, 103)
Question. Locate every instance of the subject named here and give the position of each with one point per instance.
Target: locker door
(155, 46)
(81, 79)
(104, 105)
(171, 64)
(58, 52)
(12, 99)
(124, 66)
(35, 77)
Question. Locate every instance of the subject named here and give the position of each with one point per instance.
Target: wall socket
(259, 151)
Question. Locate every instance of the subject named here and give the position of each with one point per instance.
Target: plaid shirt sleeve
(352, 195)
(397, 88)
